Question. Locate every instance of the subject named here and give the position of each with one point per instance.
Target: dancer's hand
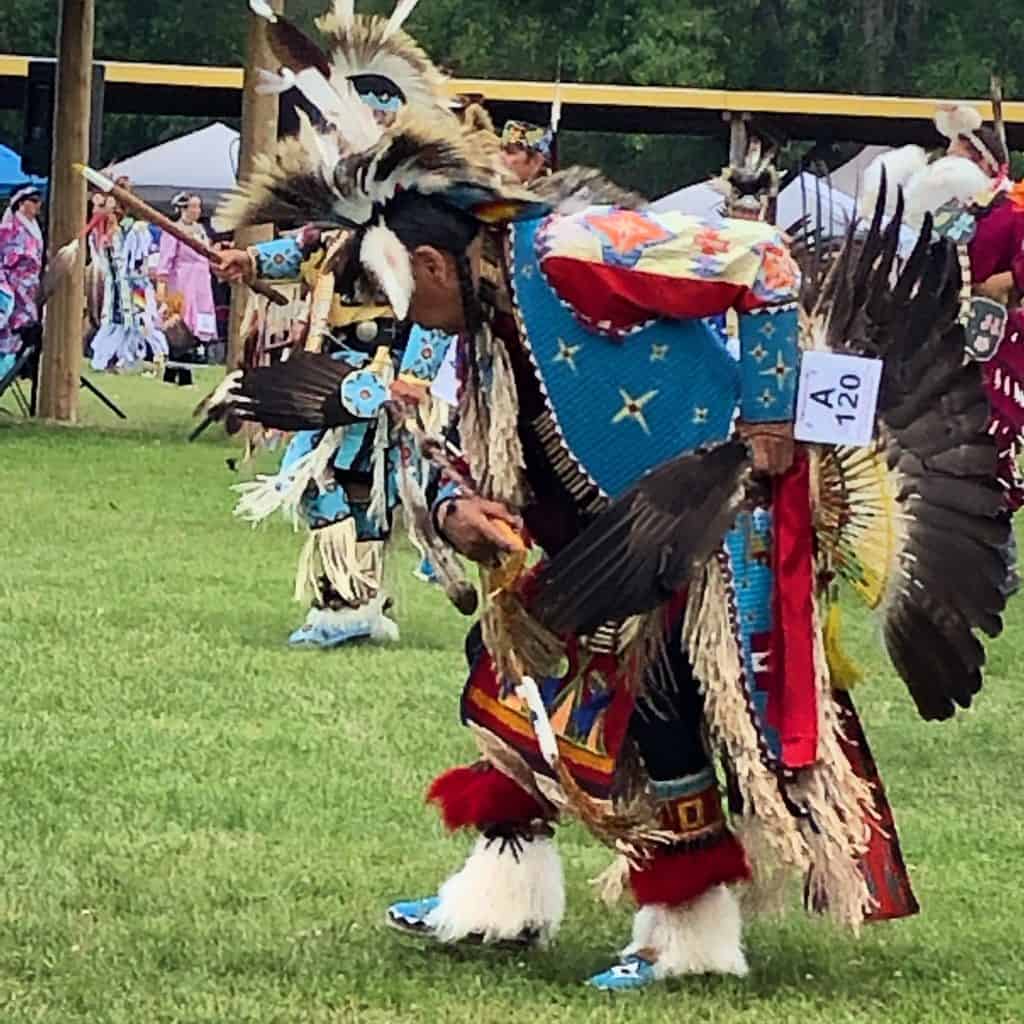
(772, 445)
(998, 287)
(235, 266)
(481, 530)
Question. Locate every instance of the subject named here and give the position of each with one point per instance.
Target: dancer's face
(192, 210)
(437, 293)
(525, 164)
(30, 207)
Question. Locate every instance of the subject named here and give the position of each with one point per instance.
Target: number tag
(837, 398)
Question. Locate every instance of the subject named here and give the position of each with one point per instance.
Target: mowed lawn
(199, 825)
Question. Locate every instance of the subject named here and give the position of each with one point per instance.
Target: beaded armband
(769, 364)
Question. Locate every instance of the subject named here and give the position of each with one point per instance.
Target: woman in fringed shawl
(130, 328)
(21, 266)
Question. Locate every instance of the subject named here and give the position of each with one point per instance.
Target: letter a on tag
(837, 398)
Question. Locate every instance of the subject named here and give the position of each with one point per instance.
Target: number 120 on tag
(837, 398)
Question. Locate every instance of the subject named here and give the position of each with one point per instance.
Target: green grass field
(199, 825)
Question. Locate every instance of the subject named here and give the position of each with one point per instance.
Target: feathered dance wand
(131, 202)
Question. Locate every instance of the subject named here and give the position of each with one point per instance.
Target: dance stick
(132, 203)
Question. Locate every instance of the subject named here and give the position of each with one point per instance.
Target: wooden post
(62, 344)
(259, 134)
(738, 138)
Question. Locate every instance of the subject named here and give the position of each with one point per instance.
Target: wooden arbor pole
(62, 346)
(259, 134)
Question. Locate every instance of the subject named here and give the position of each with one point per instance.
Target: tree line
(903, 47)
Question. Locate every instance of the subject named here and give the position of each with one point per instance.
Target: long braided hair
(488, 407)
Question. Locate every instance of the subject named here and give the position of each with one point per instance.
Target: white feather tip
(403, 10)
(952, 122)
(263, 10)
(384, 256)
(344, 12)
(67, 254)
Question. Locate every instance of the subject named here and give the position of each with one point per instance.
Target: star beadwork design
(780, 371)
(527, 271)
(767, 398)
(759, 352)
(659, 353)
(567, 354)
(633, 408)
(700, 415)
(768, 329)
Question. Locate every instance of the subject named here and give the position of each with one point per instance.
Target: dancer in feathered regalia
(130, 327)
(342, 483)
(674, 637)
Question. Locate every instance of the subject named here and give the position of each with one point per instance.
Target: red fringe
(478, 796)
(679, 876)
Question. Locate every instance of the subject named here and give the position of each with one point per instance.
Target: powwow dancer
(129, 324)
(596, 413)
(343, 483)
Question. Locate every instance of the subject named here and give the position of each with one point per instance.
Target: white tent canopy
(801, 196)
(204, 161)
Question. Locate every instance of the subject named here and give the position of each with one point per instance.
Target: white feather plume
(384, 256)
(342, 108)
(899, 165)
(263, 10)
(344, 11)
(322, 143)
(556, 107)
(952, 122)
(403, 9)
(948, 179)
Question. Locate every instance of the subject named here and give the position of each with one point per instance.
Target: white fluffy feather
(952, 177)
(498, 895)
(401, 14)
(953, 122)
(701, 937)
(899, 165)
(384, 256)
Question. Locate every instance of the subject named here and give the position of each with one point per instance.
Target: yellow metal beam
(647, 97)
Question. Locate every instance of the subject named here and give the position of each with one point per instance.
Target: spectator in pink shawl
(21, 264)
(183, 272)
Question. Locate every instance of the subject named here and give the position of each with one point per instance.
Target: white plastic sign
(837, 398)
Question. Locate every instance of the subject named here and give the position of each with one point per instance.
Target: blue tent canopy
(11, 176)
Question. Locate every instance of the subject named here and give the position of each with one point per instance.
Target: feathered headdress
(963, 123)
(750, 186)
(346, 170)
(374, 55)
